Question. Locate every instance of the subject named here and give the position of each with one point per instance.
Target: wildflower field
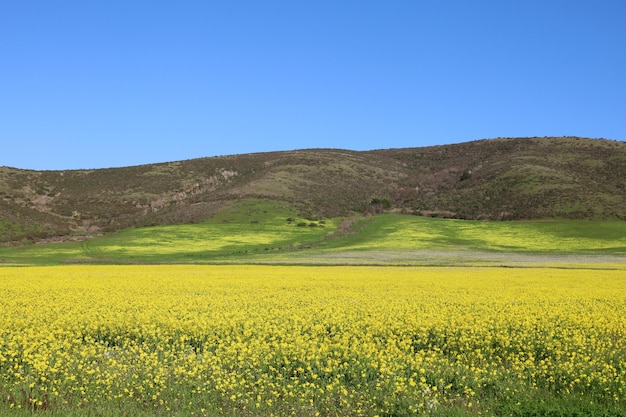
(312, 341)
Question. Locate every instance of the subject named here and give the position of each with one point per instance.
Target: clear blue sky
(106, 83)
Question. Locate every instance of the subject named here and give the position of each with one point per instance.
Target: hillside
(498, 179)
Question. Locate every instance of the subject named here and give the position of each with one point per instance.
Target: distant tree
(380, 204)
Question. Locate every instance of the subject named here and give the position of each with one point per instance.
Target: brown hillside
(487, 179)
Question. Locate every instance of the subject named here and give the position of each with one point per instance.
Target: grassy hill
(266, 231)
(530, 178)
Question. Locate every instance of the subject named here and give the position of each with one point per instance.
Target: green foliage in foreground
(571, 407)
(264, 231)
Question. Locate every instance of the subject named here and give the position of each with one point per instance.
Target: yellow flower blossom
(307, 340)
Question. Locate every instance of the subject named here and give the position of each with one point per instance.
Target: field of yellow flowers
(310, 341)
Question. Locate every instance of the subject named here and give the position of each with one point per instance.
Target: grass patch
(398, 232)
(265, 231)
(247, 229)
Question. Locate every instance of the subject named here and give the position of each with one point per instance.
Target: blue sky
(95, 84)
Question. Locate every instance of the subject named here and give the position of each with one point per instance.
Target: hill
(497, 179)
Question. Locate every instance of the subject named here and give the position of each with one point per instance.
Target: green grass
(399, 232)
(526, 407)
(248, 229)
(258, 231)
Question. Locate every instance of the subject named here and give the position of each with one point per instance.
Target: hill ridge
(491, 179)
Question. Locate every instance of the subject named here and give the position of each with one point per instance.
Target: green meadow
(261, 231)
(412, 232)
(251, 227)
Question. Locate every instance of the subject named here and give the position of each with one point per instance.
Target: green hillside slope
(264, 231)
